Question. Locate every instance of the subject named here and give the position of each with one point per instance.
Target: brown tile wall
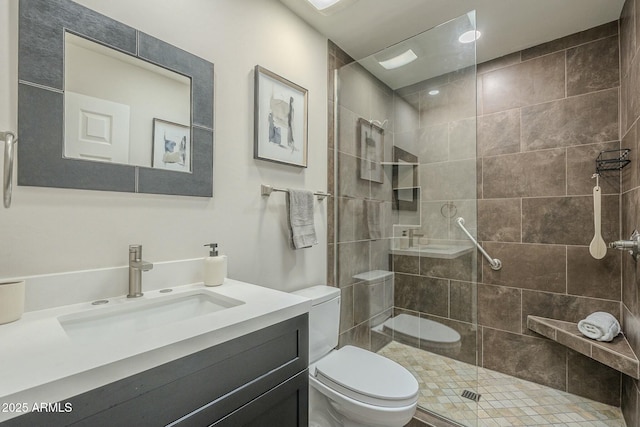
(544, 115)
(630, 190)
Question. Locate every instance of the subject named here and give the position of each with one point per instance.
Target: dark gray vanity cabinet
(257, 380)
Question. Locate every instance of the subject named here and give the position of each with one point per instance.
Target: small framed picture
(280, 119)
(371, 143)
(171, 146)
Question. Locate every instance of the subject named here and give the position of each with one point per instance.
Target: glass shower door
(405, 172)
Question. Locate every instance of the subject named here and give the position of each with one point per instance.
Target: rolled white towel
(599, 326)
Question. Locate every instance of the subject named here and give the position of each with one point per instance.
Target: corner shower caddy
(612, 160)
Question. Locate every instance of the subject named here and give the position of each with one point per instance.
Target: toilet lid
(423, 329)
(367, 377)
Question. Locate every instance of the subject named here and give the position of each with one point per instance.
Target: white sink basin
(435, 250)
(131, 317)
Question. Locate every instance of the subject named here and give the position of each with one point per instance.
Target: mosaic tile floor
(505, 400)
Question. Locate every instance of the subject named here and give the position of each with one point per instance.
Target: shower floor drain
(471, 395)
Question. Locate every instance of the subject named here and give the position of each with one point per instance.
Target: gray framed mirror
(167, 151)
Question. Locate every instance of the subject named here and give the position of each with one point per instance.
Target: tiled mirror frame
(42, 26)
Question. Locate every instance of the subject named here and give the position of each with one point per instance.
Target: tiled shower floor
(505, 400)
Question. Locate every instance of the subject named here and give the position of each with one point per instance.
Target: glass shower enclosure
(405, 172)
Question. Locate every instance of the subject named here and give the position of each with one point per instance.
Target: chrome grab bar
(9, 149)
(495, 263)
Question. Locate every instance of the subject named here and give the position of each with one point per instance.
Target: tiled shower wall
(630, 111)
(351, 244)
(544, 114)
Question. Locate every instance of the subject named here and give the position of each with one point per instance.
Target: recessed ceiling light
(399, 61)
(469, 36)
(323, 4)
(434, 92)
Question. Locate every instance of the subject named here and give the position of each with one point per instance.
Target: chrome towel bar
(9, 152)
(266, 190)
(495, 263)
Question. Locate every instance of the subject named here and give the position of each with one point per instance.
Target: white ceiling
(368, 26)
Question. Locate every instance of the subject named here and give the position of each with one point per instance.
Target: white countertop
(39, 362)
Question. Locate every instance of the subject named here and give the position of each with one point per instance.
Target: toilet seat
(367, 377)
(431, 334)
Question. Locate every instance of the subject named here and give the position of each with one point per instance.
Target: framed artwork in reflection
(371, 147)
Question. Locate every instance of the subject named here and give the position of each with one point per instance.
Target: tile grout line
(566, 74)
(552, 100)
(566, 270)
(566, 372)
(521, 221)
(521, 61)
(546, 149)
(569, 47)
(449, 296)
(521, 312)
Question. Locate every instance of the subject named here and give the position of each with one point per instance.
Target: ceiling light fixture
(329, 7)
(469, 36)
(434, 92)
(399, 61)
(323, 4)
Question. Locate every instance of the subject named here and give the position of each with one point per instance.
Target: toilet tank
(324, 319)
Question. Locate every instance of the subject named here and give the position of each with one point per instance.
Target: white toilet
(352, 387)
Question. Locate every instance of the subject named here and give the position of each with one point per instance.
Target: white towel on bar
(599, 326)
(300, 213)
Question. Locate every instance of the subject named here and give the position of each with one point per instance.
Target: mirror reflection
(406, 191)
(120, 109)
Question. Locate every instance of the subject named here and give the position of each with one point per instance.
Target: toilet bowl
(352, 387)
(365, 388)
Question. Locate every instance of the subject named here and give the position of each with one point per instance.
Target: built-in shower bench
(616, 354)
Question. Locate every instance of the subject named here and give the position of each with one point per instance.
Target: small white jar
(11, 301)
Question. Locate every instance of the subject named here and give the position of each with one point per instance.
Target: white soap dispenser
(404, 240)
(215, 267)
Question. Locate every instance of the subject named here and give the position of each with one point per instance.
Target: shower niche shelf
(616, 354)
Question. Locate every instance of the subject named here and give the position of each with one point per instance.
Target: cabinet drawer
(283, 406)
(222, 378)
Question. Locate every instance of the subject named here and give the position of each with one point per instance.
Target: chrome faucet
(632, 245)
(412, 234)
(136, 267)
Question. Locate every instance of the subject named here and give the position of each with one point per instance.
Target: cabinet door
(198, 389)
(284, 406)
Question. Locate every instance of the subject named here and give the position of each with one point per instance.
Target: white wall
(53, 230)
